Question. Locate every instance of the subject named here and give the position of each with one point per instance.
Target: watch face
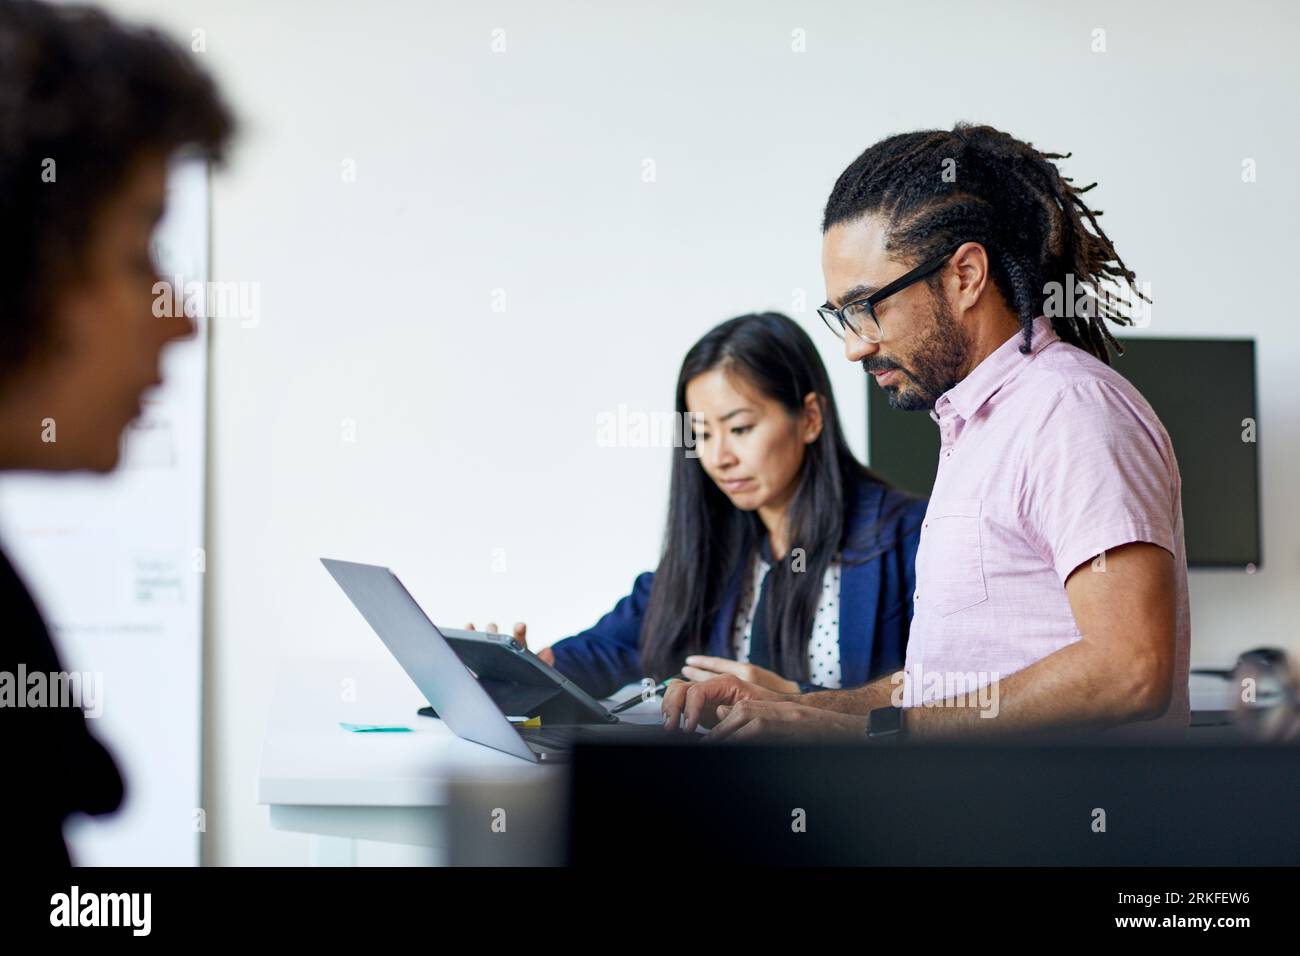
(884, 721)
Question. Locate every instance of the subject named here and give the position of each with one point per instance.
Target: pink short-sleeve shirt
(1046, 461)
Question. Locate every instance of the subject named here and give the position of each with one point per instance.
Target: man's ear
(812, 419)
(971, 267)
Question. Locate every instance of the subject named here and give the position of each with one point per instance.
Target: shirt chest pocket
(955, 562)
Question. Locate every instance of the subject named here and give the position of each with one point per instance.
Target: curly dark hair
(93, 96)
(1005, 195)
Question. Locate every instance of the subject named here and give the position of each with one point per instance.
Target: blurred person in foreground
(91, 113)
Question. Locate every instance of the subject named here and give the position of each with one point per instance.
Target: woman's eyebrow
(735, 411)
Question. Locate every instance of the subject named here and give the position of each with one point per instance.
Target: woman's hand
(545, 655)
(701, 668)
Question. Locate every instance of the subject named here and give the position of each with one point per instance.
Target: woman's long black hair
(707, 536)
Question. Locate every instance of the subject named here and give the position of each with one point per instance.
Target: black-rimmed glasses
(859, 316)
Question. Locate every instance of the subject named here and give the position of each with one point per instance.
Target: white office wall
(522, 171)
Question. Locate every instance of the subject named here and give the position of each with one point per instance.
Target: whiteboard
(116, 564)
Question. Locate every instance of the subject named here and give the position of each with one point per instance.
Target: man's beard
(935, 364)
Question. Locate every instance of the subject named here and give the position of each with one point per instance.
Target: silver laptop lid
(426, 656)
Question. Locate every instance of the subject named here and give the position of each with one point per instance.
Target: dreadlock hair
(1008, 197)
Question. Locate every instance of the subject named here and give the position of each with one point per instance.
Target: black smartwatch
(885, 725)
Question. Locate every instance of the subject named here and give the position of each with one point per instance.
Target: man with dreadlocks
(1051, 579)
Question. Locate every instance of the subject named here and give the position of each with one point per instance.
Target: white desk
(340, 786)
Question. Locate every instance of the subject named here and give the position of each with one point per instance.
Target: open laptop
(456, 694)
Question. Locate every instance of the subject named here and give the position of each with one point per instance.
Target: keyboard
(564, 737)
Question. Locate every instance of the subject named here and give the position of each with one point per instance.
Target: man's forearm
(1073, 687)
(1079, 686)
(856, 700)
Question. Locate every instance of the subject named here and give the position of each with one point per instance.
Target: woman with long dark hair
(785, 561)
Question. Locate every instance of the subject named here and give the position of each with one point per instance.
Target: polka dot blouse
(823, 645)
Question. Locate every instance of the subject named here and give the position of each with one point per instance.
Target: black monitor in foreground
(1202, 389)
(712, 808)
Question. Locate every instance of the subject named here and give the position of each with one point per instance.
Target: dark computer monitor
(1202, 389)
(996, 802)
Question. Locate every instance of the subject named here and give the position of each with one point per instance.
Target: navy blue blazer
(876, 585)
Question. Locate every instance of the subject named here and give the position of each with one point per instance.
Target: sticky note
(373, 729)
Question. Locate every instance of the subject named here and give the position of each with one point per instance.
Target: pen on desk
(639, 698)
